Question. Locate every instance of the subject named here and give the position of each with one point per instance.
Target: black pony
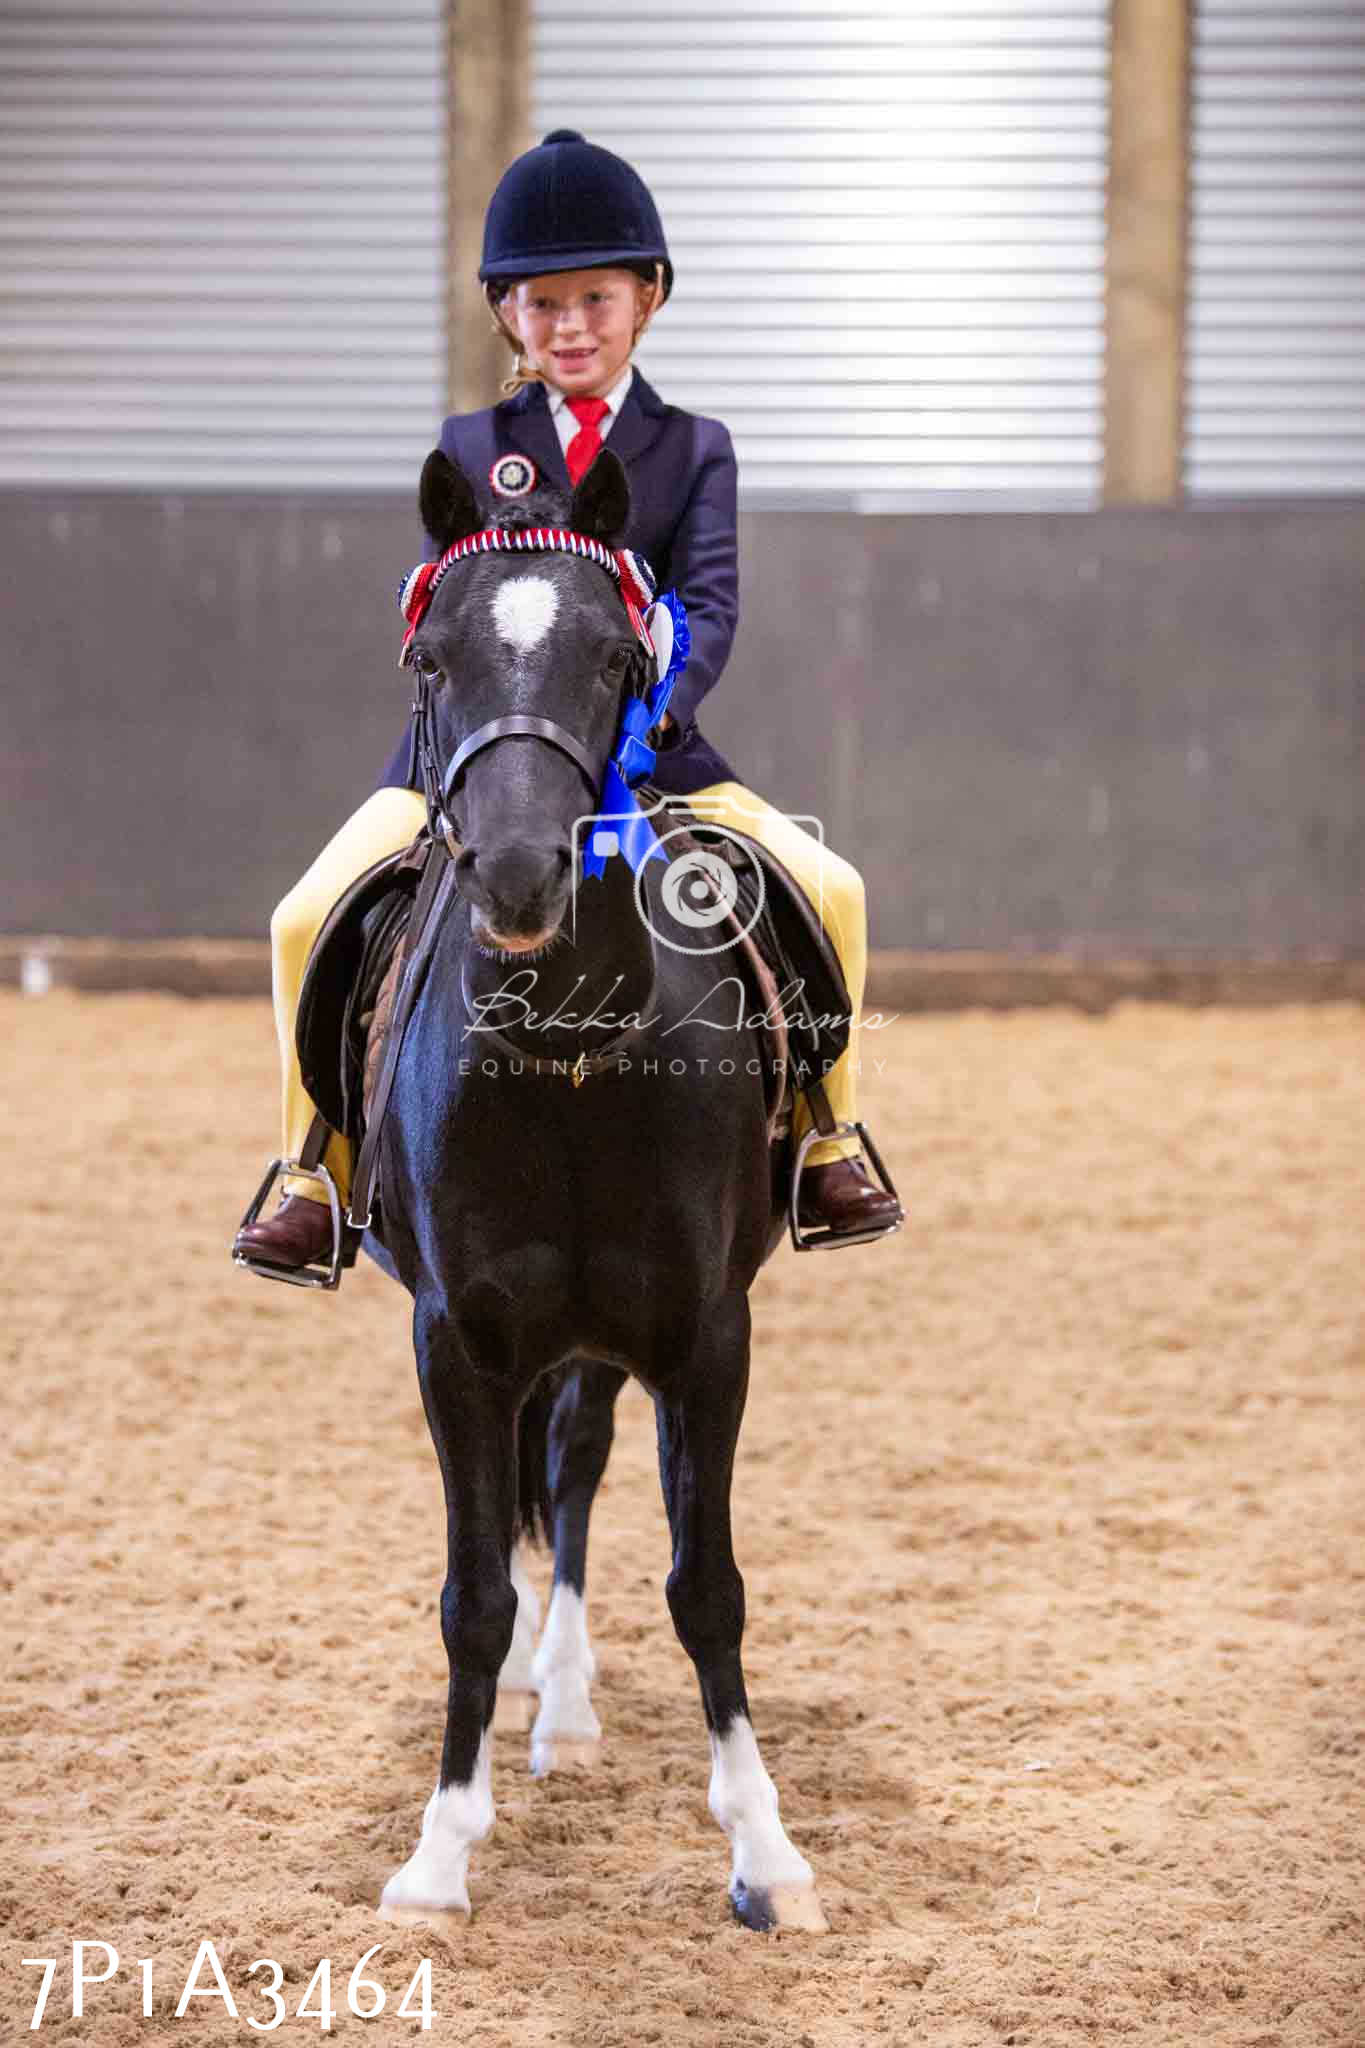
(548, 1215)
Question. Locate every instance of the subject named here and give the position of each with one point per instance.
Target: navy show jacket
(682, 475)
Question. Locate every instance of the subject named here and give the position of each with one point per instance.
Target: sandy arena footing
(1050, 1513)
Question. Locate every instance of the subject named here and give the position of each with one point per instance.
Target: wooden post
(488, 91)
(1146, 250)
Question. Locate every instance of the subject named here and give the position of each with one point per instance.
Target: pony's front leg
(567, 1731)
(473, 1423)
(771, 1883)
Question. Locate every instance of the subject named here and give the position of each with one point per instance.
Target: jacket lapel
(638, 424)
(530, 429)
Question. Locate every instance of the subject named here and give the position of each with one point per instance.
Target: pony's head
(531, 635)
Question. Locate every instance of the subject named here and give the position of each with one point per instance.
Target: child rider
(574, 267)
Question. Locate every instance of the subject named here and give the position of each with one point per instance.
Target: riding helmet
(570, 205)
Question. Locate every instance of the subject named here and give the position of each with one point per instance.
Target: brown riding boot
(842, 1197)
(298, 1234)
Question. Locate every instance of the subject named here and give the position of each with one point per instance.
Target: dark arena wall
(1129, 732)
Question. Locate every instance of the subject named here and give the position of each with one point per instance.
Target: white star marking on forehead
(524, 610)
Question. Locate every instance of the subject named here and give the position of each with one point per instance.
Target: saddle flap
(326, 1033)
(789, 930)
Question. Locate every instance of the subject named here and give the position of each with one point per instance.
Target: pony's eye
(425, 666)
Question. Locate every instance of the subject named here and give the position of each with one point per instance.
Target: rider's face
(578, 327)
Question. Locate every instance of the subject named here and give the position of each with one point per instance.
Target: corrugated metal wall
(221, 237)
(1276, 347)
(221, 240)
(888, 226)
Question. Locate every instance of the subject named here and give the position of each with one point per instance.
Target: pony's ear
(601, 504)
(445, 499)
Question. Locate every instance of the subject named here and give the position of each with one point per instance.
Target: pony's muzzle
(519, 890)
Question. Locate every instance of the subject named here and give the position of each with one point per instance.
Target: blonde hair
(497, 290)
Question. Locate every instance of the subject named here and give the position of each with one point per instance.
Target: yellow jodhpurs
(390, 819)
(386, 823)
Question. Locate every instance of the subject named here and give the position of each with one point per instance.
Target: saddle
(374, 947)
(791, 975)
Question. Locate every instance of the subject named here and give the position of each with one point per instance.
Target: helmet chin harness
(660, 626)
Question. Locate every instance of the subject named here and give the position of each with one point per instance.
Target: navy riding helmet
(569, 205)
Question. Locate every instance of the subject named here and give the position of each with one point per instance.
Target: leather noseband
(534, 728)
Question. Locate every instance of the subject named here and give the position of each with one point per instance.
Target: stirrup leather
(806, 1240)
(315, 1274)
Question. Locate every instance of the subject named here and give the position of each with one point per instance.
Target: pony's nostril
(565, 854)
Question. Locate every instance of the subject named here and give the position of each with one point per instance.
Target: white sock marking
(743, 1799)
(437, 1872)
(524, 610)
(564, 1669)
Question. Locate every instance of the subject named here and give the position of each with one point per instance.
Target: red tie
(589, 412)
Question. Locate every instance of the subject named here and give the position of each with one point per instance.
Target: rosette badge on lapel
(513, 476)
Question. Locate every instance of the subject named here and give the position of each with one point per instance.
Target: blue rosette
(620, 825)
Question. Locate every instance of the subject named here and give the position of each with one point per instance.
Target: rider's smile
(578, 328)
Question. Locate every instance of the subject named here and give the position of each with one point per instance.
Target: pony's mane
(541, 508)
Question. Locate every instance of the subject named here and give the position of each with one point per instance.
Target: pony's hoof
(514, 1711)
(564, 1753)
(779, 1908)
(449, 1920)
(424, 1888)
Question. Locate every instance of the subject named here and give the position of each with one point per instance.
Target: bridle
(610, 785)
(630, 761)
(636, 585)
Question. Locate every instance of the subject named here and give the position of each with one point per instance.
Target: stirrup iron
(315, 1274)
(814, 1240)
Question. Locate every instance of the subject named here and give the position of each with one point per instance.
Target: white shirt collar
(615, 398)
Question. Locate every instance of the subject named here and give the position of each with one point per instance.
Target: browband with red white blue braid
(631, 571)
